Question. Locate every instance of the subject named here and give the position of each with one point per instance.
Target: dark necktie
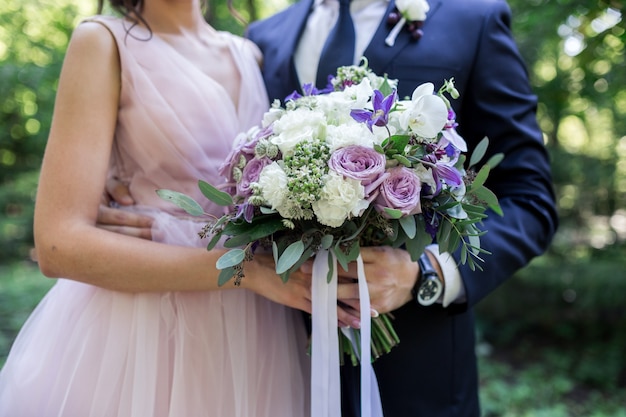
(339, 47)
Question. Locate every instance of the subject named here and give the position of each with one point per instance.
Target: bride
(136, 327)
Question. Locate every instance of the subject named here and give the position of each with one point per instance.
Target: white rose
(413, 9)
(340, 198)
(299, 125)
(353, 133)
(273, 183)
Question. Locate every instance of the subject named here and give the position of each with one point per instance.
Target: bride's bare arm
(73, 175)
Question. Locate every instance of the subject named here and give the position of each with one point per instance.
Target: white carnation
(299, 125)
(350, 134)
(273, 184)
(340, 199)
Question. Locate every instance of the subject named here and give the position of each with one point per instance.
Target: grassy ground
(532, 372)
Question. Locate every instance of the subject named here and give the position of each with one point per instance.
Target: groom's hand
(390, 275)
(121, 221)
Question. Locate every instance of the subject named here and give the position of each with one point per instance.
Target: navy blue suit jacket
(433, 370)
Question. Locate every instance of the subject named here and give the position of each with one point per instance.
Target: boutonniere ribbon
(409, 13)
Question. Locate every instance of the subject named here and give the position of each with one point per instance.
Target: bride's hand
(260, 277)
(121, 221)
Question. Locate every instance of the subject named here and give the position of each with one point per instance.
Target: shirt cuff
(454, 290)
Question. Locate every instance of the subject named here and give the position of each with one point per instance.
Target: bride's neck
(174, 16)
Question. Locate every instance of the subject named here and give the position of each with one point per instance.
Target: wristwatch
(429, 287)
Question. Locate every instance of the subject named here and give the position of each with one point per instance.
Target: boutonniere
(410, 14)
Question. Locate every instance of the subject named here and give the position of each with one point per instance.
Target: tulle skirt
(91, 352)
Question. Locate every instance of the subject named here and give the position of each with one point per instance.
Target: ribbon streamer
(325, 379)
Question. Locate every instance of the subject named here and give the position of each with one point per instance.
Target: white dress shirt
(366, 15)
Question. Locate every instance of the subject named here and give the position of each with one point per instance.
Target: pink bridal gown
(91, 352)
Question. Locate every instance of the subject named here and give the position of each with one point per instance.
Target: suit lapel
(380, 55)
(293, 28)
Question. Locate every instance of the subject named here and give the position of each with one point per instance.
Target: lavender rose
(358, 162)
(250, 174)
(400, 191)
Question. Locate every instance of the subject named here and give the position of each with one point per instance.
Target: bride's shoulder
(247, 45)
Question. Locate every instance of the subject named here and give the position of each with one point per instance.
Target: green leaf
(237, 241)
(355, 249)
(342, 259)
(408, 225)
(402, 159)
(216, 238)
(416, 246)
(490, 198)
(218, 197)
(393, 213)
(225, 275)
(267, 210)
(290, 256)
(481, 177)
(385, 88)
(231, 258)
(479, 151)
(182, 200)
(400, 142)
(331, 268)
(327, 241)
(495, 160)
(443, 234)
(260, 227)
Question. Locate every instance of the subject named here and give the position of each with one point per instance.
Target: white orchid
(426, 114)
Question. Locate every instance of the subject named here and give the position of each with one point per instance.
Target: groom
(433, 371)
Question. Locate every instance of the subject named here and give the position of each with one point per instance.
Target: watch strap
(427, 272)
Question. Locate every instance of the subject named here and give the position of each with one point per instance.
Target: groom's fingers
(124, 222)
(118, 192)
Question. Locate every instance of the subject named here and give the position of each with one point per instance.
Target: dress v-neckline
(231, 49)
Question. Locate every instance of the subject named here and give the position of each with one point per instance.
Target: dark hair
(130, 9)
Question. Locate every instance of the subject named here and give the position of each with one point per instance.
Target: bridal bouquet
(350, 166)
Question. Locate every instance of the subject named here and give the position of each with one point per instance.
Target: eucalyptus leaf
(479, 151)
(408, 225)
(231, 258)
(267, 210)
(489, 197)
(218, 197)
(216, 238)
(342, 259)
(495, 160)
(237, 241)
(327, 241)
(481, 177)
(225, 275)
(331, 268)
(183, 201)
(290, 256)
(443, 235)
(422, 238)
(393, 213)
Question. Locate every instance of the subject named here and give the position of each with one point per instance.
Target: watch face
(429, 291)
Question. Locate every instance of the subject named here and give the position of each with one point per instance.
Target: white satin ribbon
(325, 379)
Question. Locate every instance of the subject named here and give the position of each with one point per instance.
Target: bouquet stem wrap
(325, 378)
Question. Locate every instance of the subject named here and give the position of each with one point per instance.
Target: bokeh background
(552, 340)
